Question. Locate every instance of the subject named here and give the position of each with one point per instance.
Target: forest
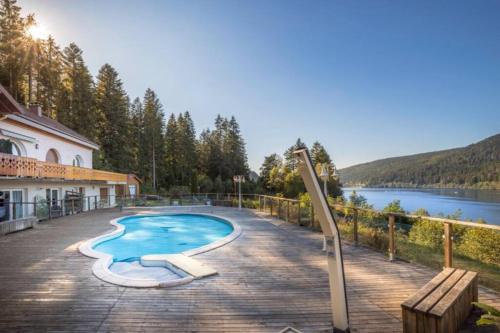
(279, 174)
(134, 134)
(474, 166)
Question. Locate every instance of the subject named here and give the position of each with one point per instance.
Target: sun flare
(38, 31)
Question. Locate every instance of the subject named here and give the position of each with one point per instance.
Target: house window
(9, 147)
(52, 156)
(11, 204)
(78, 161)
(52, 196)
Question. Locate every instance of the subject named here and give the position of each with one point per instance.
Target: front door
(103, 192)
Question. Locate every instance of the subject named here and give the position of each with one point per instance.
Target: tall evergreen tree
(75, 107)
(153, 155)
(111, 103)
(137, 137)
(290, 160)
(171, 150)
(186, 152)
(12, 50)
(49, 77)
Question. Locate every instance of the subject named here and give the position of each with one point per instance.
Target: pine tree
(153, 146)
(290, 160)
(111, 103)
(75, 107)
(186, 152)
(137, 137)
(49, 77)
(12, 51)
(171, 145)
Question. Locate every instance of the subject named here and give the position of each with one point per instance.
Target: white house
(44, 162)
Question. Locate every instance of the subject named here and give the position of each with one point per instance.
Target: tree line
(134, 135)
(474, 166)
(279, 174)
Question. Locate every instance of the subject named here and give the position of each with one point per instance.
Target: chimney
(36, 109)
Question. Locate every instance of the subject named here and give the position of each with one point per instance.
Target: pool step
(187, 264)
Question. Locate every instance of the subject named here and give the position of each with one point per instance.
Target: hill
(474, 166)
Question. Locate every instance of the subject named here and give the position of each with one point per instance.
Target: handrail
(18, 166)
(411, 216)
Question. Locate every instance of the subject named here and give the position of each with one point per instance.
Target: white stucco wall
(67, 150)
(38, 189)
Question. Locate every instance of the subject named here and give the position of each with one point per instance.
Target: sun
(37, 31)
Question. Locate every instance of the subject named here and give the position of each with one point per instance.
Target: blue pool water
(163, 234)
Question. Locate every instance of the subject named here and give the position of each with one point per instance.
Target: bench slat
(413, 301)
(431, 300)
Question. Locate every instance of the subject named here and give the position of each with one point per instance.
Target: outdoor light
(239, 179)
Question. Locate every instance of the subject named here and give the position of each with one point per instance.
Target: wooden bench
(441, 305)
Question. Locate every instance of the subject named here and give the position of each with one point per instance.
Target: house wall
(66, 150)
(38, 190)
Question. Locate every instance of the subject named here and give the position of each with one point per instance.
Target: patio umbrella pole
(332, 237)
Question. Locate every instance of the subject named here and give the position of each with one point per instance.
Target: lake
(474, 204)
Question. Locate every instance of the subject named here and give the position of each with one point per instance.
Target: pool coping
(101, 267)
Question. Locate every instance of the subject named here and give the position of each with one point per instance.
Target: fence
(48, 209)
(432, 241)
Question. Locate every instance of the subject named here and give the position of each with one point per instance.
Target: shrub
(427, 233)
(481, 244)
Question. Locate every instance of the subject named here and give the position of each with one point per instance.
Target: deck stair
(189, 265)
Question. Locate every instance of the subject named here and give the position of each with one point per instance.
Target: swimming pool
(165, 234)
(152, 250)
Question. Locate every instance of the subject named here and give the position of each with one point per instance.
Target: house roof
(8, 104)
(15, 111)
(55, 125)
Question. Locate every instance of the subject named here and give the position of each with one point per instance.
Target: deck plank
(272, 276)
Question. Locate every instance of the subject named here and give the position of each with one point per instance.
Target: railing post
(260, 204)
(49, 204)
(448, 245)
(72, 206)
(311, 211)
(287, 210)
(95, 202)
(271, 207)
(298, 213)
(264, 199)
(355, 226)
(88, 204)
(392, 242)
(34, 207)
(279, 208)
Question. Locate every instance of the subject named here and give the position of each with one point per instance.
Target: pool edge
(101, 270)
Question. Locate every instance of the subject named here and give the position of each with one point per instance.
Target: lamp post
(239, 179)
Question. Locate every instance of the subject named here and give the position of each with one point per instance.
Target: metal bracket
(330, 246)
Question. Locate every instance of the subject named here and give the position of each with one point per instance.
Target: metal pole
(239, 193)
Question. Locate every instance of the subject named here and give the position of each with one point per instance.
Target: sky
(367, 79)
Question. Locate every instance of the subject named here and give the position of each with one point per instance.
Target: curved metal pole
(332, 236)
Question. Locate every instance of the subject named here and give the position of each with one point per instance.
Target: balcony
(22, 167)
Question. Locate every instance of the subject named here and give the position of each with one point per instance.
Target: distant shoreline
(495, 187)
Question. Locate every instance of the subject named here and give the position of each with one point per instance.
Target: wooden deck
(273, 276)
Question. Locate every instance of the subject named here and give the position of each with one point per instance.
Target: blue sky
(368, 79)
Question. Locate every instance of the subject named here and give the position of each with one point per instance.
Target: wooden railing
(304, 215)
(16, 166)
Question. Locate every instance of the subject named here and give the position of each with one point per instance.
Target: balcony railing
(16, 166)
